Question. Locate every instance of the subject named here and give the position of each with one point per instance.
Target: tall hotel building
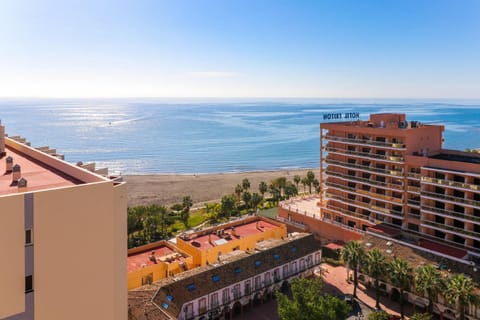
(388, 174)
(62, 238)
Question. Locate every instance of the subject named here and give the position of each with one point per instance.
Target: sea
(196, 136)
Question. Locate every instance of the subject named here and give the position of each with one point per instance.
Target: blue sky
(230, 48)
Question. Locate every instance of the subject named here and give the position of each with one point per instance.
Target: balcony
(455, 184)
(365, 155)
(346, 212)
(368, 142)
(452, 229)
(450, 214)
(371, 195)
(394, 173)
(390, 212)
(370, 182)
(453, 199)
(415, 176)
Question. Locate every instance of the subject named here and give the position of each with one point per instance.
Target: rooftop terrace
(222, 236)
(466, 157)
(38, 175)
(151, 256)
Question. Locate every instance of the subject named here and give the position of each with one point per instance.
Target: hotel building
(392, 176)
(63, 238)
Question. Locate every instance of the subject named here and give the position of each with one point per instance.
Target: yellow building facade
(62, 238)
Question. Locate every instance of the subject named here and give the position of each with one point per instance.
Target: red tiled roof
(334, 246)
(136, 260)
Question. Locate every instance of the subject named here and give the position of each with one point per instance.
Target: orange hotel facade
(391, 173)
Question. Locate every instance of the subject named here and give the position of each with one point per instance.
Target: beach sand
(170, 189)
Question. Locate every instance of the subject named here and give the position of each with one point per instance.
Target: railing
(451, 213)
(396, 145)
(366, 154)
(413, 202)
(344, 226)
(364, 205)
(414, 175)
(450, 198)
(451, 183)
(346, 212)
(395, 173)
(364, 180)
(444, 227)
(413, 189)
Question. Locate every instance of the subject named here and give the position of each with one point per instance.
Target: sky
(240, 48)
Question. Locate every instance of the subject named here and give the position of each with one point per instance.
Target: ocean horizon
(199, 135)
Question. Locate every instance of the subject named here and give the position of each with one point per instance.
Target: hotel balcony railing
(413, 202)
(368, 155)
(366, 141)
(451, 183)
(413, 189)
(396, 173)
(365, 181)
(451, 214)
(444, 227)
(450, 198)
(346, 212)
(414, 175)
(366, 206)
(369, 194)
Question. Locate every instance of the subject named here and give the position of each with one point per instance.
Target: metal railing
(365, 181)
(395, 173)
(384, 157)
(450, 198)
(443, 182)
(450, 213)
(444, 227)
(395, 145)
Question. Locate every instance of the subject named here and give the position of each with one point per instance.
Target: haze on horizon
(240, 48)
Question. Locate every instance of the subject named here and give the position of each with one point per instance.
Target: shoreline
(168, 189)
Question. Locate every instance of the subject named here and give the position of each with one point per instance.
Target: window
(202, 305)
(226, 296)
(214, 300)
(236, 292)
(267, 278)
(317, 258)
(28, 284)
(28, 236)
(276, 275)
(191, 287)
(238, 270)
(248, 287)
(293, 267)
(276, 256)
(164, 305)
(216, 278)
(285, 271)
(258, 282)
(170, 298)
(293, 249)
(258, 263)
(302, 264)
(189, 311)
(310, 261)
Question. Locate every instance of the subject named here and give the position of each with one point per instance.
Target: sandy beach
(170, 189)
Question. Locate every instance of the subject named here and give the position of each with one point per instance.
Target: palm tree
(238, 192)
(245, 184)
(310, 178)
(401, 276)
(297, 180)
(352, 254)
(316, 185)
(376, 266)
(262, 188)
(460, 291)
(304, 183)
(247, 197)
(428, 281)
(187, 203)
(281, 183)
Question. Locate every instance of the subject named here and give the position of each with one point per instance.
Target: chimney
(2, 141)
(16, 173)
(234, 233)
(22, 185)
(8, 164)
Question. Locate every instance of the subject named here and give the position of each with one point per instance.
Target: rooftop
(221, 236)
(466, 157)
(38, 175)
(151, 256)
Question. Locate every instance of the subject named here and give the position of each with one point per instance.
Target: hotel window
(458, 178)
(440, 176)
(339, 219)
(214, 300)
(28, 237)
(276, 275)
(351, 161)
(413, 227)
(248, 287)
(215, 278)
(238, 270)
(276, 256)
(258, 263)
(458, 209)
(226, 296)
(267, 278)
(294, 267)
(258, 281)
(236, 292)
(317, 258)
(202, 305)
(189, 311)
(191, 287)
(302, 264)
(28, 284)
(285, 271)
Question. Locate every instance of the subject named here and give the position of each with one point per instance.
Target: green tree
(460, 291)
(247, 197)
(187, 203)
(376, 266)
(275, 192)
(352, 254)
(228, 206)
(379, 315)
(262, 188)
(290, 190)
(310, 179)
(162, 213)
(308, 304)
(316, 185)
(421, 316)
(428, 282)
(281, 183)
(401, 276)
(245, 184)
(238, 192)
(297, 180)
(304, 184)
(256, 200)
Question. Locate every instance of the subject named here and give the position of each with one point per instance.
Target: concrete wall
(12, 250)
(80, 266)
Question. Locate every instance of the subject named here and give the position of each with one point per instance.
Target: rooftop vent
(16, 173)
(22, 184)
(8, 164)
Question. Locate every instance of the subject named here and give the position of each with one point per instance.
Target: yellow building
(62, 238)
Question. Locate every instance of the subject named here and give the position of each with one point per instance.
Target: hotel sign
(340, 116)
